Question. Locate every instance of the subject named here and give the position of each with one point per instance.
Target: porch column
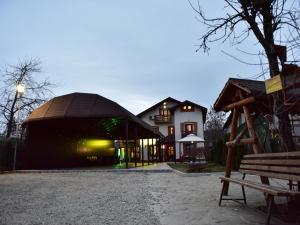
(148, 152)
(135, 150)
(142, 149)
(126, 144)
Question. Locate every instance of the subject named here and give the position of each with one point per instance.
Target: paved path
(157, 167)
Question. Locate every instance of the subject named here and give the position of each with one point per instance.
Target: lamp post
(20, 89)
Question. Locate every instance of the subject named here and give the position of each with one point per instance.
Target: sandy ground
(121, 198)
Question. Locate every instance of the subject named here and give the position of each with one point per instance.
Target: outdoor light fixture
(20, 88)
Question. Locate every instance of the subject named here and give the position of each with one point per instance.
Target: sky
(134, 52)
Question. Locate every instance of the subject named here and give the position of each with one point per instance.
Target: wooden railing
(162, 119)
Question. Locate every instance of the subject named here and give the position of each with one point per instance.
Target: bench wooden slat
(284, 162)
(280, 169)
(274, 155)
(276, 191)
(271, 174)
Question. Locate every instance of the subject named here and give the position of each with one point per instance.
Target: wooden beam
(229, 160)
(241, 141)
(239, 103)
(251, 130)
(239, 136)
(282, 155)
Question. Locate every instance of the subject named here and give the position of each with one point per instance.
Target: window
(171, 130)
(190, 127)
(164, 112)
(187, 108)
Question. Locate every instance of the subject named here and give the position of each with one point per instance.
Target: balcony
(162, 119)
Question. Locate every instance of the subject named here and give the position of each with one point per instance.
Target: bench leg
(244, 195)
(221, 195)
(270, 202)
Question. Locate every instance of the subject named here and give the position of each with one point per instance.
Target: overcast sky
(135, 52)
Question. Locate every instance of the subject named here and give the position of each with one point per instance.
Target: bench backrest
(283, 165)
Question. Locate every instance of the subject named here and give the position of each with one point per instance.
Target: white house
(176, 119)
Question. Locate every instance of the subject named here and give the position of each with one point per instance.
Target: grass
(203, 168)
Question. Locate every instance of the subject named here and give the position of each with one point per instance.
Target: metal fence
(10, 154)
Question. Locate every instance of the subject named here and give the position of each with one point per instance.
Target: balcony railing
(162, 119)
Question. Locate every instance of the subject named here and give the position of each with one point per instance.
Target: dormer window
(187, 108)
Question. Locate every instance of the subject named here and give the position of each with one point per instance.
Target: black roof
(250, 87)
(83, 105)
(178, 104)
(168, 99)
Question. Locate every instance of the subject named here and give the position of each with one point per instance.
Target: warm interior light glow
(146, 141)
(98, 143)
(96, 146)
(20, 88)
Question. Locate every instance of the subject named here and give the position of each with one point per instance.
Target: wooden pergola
(247, 97)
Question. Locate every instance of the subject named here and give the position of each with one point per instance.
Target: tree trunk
(284, 124)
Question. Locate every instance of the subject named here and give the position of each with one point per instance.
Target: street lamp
(20, 91)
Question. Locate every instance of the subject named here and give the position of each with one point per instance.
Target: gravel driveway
(122, 198)
(75, 198)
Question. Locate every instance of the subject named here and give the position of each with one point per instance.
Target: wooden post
(251, 130)
(126, 144)
(142, 151)
(252, 134)
(152, 151)
(156, 149)
(229, 160)
(174, 152)
(135, 148)
(148, 152)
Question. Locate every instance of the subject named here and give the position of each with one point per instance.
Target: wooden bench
(282, 166)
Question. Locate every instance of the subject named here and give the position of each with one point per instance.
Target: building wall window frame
(188, 128)
(171, 130)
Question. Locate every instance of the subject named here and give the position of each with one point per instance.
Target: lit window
(187, 108)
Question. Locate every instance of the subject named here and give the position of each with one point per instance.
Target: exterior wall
(183, 117)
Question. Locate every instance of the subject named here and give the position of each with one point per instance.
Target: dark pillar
(135, 148)
(175, 150)
(152, 151)
(142, 152)
(126, 144)
(148, 152)
(157, 151)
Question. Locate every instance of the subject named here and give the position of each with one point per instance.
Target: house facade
(175, 120)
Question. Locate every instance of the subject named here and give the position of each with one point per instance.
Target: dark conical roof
(83, 105)
(79, 105)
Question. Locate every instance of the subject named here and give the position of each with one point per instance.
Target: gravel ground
(75, 198)
(122, 198)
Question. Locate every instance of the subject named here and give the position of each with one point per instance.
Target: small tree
(214, 134)
(21, 93)
(270, 22)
